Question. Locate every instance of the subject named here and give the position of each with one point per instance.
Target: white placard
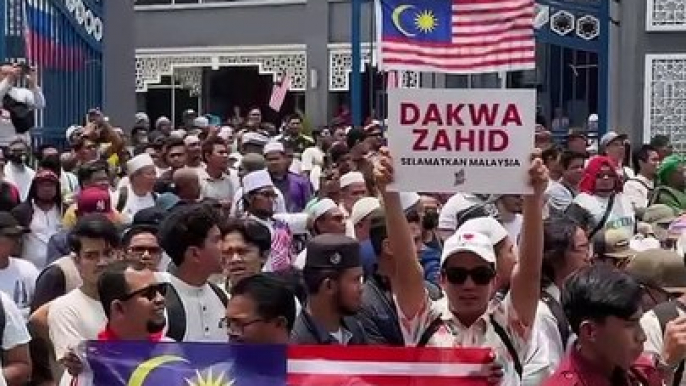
(461, 140)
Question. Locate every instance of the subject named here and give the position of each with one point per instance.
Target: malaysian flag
(121, 363)
(279, 92)
(456, 36)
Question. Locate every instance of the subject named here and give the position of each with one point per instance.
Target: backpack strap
(72, 278)
(659, 190)
(603, 220)
(3, 321)
(122, 199)
(176, 315)
(429, 332)
(556, 309)
(220, 293)
(666, 312)
(505, 337)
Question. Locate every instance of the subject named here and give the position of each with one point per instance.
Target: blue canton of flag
(188, 364)
(427, 21)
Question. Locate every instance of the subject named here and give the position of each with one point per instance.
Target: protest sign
(461, 140)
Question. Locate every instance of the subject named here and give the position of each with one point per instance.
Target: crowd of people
(260, 234)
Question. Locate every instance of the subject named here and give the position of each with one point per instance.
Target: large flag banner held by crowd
(456, 36)
(452, 140)
(203, 364)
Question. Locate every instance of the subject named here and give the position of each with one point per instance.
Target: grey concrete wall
(119, 62)
(317, 95)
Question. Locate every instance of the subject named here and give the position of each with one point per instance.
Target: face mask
(430, 220)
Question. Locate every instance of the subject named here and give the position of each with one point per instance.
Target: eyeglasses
(150, 292)
(479, 275)
(237, 327)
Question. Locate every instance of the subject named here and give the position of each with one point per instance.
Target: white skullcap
(487, 226)
(273, 146)
(254, 138)
(162, 120)
(320, 208)
(225, 132)
(191, 139)
(256, 180)
(408, 200)
(71, 130)
(593, 118)
(201, 122)
(178, 134)
(140, 117)
(363, 208)
(139, 162)
(351, 178)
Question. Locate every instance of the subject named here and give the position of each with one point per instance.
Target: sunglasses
(479, 275)
(150, 292)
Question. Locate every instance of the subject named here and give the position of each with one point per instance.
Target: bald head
(187, 184)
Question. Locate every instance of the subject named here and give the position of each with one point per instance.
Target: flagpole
(356, 56)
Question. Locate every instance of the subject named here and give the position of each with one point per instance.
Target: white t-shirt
(18, 281)
(447, 219)
(73, 318)
(43, 226)
(514, 227)
(204, 312)
(15, 333)
(654, 336)
(622, 215)
(312, 161)
(21, 177)
(34, 98)
(134, 203)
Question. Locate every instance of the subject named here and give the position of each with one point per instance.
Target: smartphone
(25, 68)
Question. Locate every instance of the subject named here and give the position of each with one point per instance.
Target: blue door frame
(71, 68)
(579, 26)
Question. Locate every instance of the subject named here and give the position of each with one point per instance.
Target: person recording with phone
(18, 103)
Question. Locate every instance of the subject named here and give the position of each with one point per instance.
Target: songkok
(256, 180)
(351, 178)
(332, 251)
(139, 162)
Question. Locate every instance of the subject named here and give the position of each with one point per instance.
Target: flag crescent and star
(143, 370)
(397, 13)
(422, 21)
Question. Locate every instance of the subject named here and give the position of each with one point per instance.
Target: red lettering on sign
(433, 115)
(482, 113)
(469, 115)
(409, 113)
(512, 115)
(420, 137)
(441, 141)
(453, 114)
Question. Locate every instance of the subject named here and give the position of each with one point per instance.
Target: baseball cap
(487, 226)
(659, 214)
(333, 251)
(473, 242)
(93, 200)
(611, 136)
(46, 175)
(363, 208)
(9, 226)
(615, 243)
(659, 268)
(668, 165)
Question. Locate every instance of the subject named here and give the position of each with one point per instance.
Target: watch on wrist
(662, 365)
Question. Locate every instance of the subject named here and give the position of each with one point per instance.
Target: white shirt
(15, 333)
(312, 162)
(204, 312)
(73, 318)
(637, 190)
(654, 336)
(546, 324)
(18, 281)
(21, 177)
(134, 202)
(622, 215)
(34, 98)
(221, 188)
(514, 227)
(447, 218)
(43, 226)
(558, 196)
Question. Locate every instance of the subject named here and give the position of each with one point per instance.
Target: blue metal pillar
(356, 73)
(604, 69)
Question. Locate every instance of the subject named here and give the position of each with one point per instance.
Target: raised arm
(526, 277)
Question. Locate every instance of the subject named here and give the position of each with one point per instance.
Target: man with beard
(333, 277)
(133, 302)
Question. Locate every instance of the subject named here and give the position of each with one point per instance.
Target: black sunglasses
(150, 292)
(479, 275)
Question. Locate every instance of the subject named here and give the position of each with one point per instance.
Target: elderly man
(353, 188)
(138, 193)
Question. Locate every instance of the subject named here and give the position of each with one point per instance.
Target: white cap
(140, 116)
(201, 122)
(191, 139)
(225, 132)
(139, 162)
(273, 146)
(320, 208)
(473, 242)
(178, 134)
(71, 130)
(254, 138)
(609, 137)
(256, 180)
(162, 120)
(593, 118)
(363, 208)
(487, 226)
(408, 200)
(351, 178)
